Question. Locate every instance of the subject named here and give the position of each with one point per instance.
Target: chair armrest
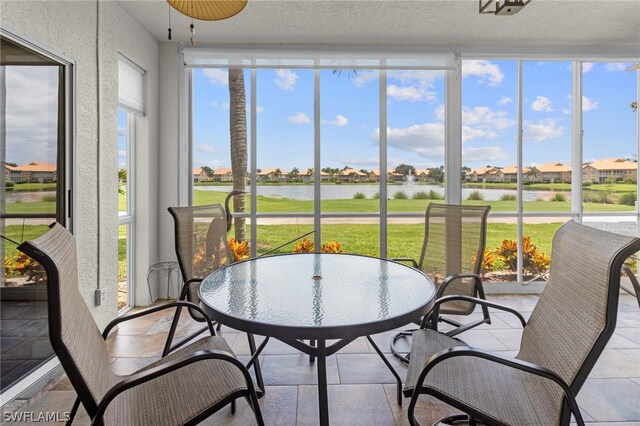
(634, 282)
(483, 302)
(167, 305)
(406, 259)
(153, 373)
(185, 286)
(527, 367)
(449, 279)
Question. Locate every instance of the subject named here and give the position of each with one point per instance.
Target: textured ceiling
(544, 25)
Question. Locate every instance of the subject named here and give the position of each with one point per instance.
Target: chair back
(201, 240)
(576, 313)
(454, 243)
(73, 333)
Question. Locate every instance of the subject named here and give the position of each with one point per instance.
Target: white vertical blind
(130, 86)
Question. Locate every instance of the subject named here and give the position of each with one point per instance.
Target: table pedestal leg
(323, 400)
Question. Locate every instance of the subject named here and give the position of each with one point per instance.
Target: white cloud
(220, 105)
(588, 104)
(440, 113)
(286, 79)
(566, 111)
(121, 131)
(217, 76)
(505, 100)
(617, 66)
(259, 109)
(31, 114)
(122, 153)
(299, 118)
(587, 67)
(486, 70)
(542, 130)
(542, 104)
(422, 78)
(410, 93)
(484, 154)
(362, 78)
(339, 121)
(204, 148)
(359, 162)
(426, 140)
(484, 118)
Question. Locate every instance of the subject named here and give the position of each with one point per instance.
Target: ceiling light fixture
(502, 8)
(206, 10)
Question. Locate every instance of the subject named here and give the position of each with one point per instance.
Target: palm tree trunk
(238, 128)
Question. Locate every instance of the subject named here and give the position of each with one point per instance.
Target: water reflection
(318, 309)
(383, 290)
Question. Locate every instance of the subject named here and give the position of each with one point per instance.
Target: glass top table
(317, 297)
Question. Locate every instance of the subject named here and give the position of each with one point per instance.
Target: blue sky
(350, 117)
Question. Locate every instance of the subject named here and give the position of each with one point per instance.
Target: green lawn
(19, 234)
(51, 186)
(613, 188)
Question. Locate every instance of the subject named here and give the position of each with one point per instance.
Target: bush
(600, 197)
(331, 247)
(475, 196)
(400, 195)
(433, 195)
(508, 197)
(51, 198)
(8, 185)
(305, 246)
(630, 181)
(420, 195)
(376, 196)
(628, 199)
(534, 261)
(23, 265)
(586, 183)
(359, 196)
(559, 197)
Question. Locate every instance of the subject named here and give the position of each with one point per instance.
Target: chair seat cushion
(179, 396)
(503, 393)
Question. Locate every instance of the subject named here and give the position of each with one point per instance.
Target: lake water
(346, 191)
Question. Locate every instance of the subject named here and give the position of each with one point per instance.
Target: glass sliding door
(126, 136)
(32, 195)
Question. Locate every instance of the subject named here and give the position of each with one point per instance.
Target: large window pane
(123, 266)
(610, 152)
(546, 147)
(123, 164)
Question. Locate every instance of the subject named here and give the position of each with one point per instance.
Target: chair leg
(74, 411)
(233, 406)
(456, 418)
(218, 327)
(172, 331)
(256, 364)
(313, 344)
(255, 407)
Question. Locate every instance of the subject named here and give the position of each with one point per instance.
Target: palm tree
(238, 140)
(533, 174)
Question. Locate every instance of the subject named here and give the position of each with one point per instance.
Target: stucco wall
(69, 29)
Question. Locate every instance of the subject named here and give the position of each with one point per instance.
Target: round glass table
(317, 297)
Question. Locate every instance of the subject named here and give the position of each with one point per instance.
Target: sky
(415, 116)
(350, 116)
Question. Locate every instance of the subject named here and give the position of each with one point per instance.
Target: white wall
(69, 29)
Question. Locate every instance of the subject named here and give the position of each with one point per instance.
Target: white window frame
(128, 218)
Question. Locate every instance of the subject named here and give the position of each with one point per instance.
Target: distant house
(352, 175)
(223, 175)
(307, 176)
(36, 171)
(392, 176)
(423, 175)
(553, 173)
(272, 175)
(482, 174)
(200, 175)
(617, 168)
(510, 174)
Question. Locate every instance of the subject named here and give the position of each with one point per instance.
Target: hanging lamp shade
(208, 10)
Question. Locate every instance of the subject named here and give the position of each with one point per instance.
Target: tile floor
(361, 390)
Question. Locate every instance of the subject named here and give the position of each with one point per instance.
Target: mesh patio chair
(566, 333)
(452, 254)
(201, 248)
(182, 388)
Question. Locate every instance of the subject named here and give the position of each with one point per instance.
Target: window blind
(130, 86)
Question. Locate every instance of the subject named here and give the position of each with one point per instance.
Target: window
(33, 193)
(131, 105)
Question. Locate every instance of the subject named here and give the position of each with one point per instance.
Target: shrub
(8, 185)
(601, 197)
(51, 198)
(305, 246)
(433, 195)
(630, 181)
(488, 262)
(359, 196)
(475, 196)
(508, 197)
(400, 195)
(586, 183)
(420, 195)
(331, 247)
(534, 261)
(376, 196)
(628, 199)
(23, 265)
(239, 249)
(559, 197)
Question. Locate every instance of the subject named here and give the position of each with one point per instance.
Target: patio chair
(182, 388)
(452, 255)
(201, 247)
(566, 333)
